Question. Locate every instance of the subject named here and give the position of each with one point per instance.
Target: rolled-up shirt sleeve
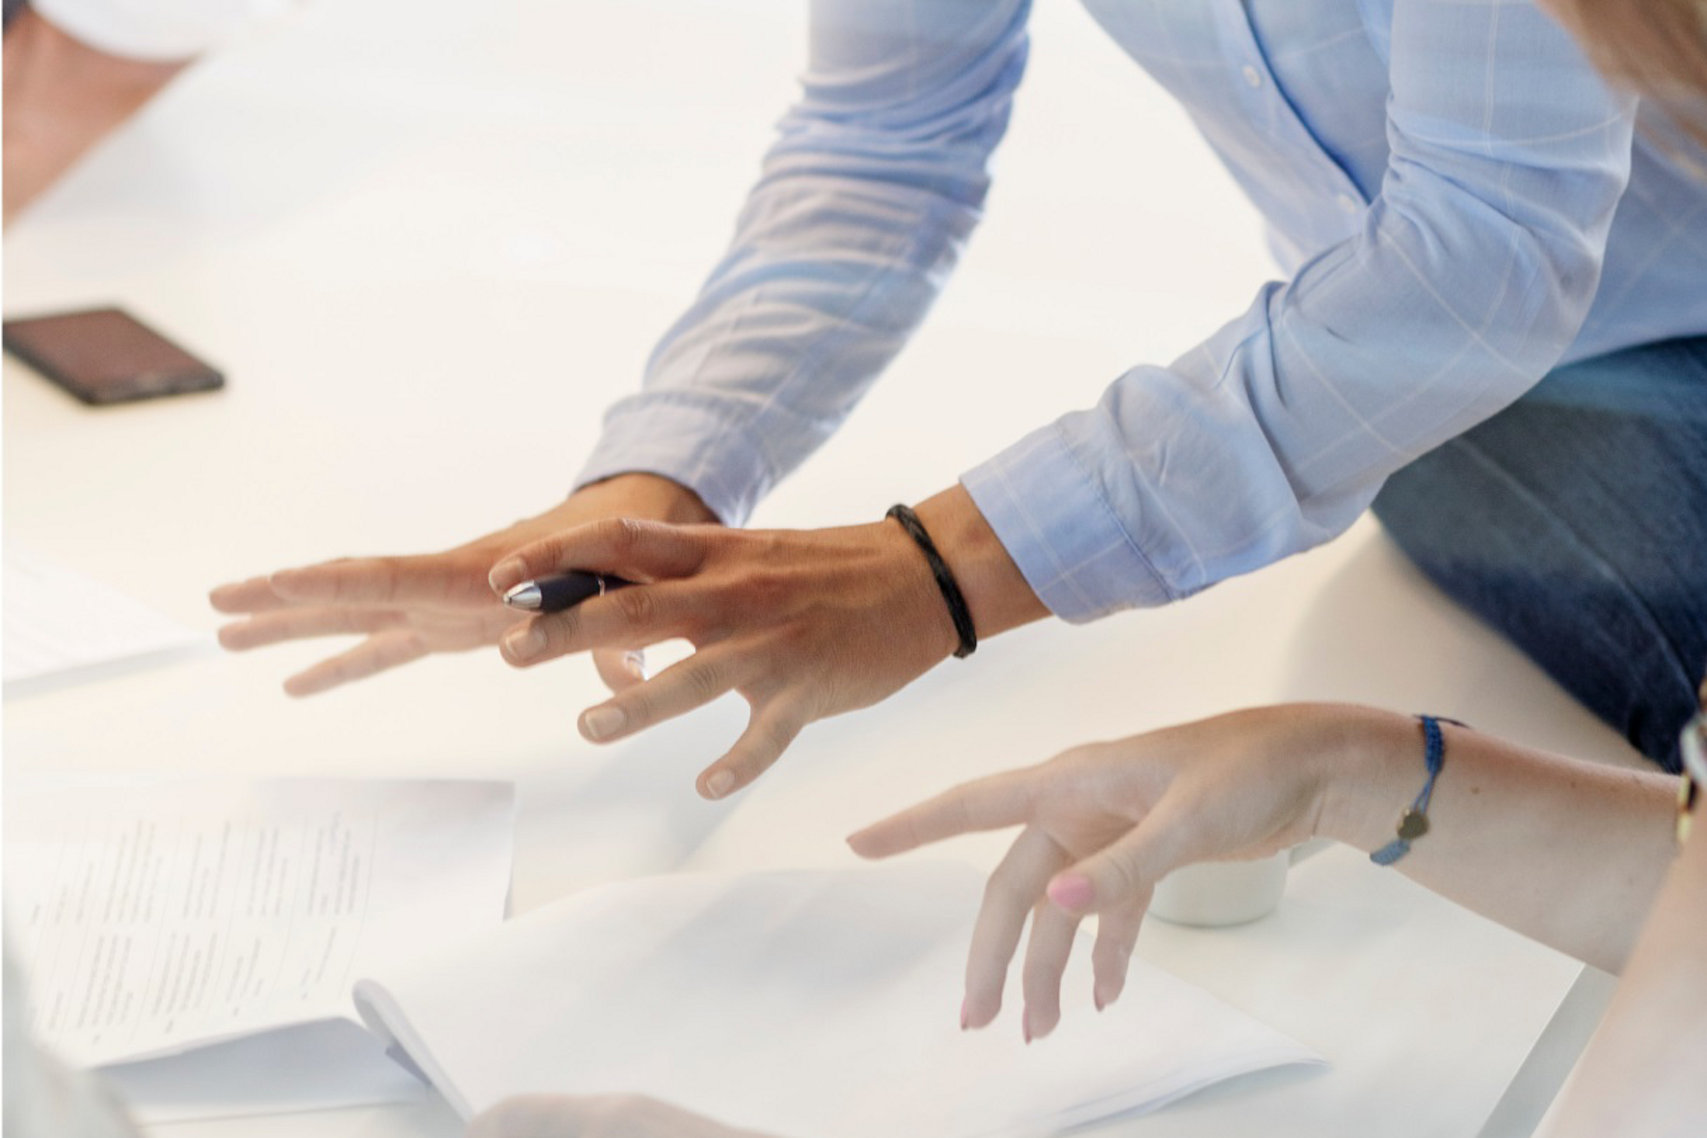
(164, 31)
(1472, 271)
(876, 180)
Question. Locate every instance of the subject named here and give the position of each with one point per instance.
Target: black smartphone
(105, 355)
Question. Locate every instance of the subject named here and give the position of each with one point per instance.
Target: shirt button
(1348, 204)
(1253, 77)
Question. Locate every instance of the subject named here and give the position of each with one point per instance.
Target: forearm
(872, 188)
(995, 590)
(1568, 852)
(61, 98)
(1641, 1074)
(1463, 282)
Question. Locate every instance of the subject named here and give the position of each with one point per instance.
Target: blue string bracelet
(1413, 823)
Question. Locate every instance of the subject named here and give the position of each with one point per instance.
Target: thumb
(1125, 870)
(534, 1116)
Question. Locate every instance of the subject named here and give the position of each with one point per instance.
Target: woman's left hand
(1105, 822)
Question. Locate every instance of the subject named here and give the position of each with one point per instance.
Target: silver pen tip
(524, 596)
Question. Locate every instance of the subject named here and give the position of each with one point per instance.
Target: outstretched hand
(1104, 823)
(595, 1116)
(408, 607)
(803, 624)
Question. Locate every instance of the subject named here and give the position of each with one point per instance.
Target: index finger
(625, 546)
(991, 803)
(355, 581)
(418, 579)
(254, 595)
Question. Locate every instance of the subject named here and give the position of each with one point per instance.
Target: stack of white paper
(164, 917)
(815, 1005)
(161, 917)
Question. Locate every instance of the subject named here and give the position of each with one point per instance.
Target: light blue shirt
(1459, 203)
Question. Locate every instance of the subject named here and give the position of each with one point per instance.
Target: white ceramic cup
(1216, 893)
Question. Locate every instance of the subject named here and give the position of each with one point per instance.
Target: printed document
(160, 917)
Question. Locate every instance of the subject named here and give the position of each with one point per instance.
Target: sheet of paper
(60, 626)
(154, 919)
(313, 1066)
(810, 1003)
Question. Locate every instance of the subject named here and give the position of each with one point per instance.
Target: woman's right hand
(408, 607)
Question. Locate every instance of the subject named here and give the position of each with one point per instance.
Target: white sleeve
(160, 30)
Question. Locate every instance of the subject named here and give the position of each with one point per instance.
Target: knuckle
(560, 632)
(624, 535)
(1120, 874)
(704, 680)
(543, 554)
(637, 605)
(1001, 891)
(765, 588)
(388, 575)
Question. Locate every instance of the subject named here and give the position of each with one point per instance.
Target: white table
(428, 253)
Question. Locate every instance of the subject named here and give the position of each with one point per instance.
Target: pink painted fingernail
(1072, 891)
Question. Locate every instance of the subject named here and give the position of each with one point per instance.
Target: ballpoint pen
(561, 591)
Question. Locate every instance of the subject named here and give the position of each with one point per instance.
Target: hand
(408, 607)
(596, 1116)
(1105, 822)
(803, 624)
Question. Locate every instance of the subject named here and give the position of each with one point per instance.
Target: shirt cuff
(1062, 533)
(689, 441)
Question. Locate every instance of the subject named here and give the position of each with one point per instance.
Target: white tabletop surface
(427, 242)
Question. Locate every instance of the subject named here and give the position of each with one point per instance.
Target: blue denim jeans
(1575, 523)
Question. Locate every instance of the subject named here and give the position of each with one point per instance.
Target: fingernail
(963, 1018)
(719, 784)
(603, 722)
(635, 664)
(524, 643)
(1096, 998)
(507, 574)
(1072, 891)
(280, 581)
(1025, 1025)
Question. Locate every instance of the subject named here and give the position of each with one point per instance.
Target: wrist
(1374, 765)
(996, 592)
(643, 495)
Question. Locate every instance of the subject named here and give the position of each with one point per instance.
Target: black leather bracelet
(956, 601)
